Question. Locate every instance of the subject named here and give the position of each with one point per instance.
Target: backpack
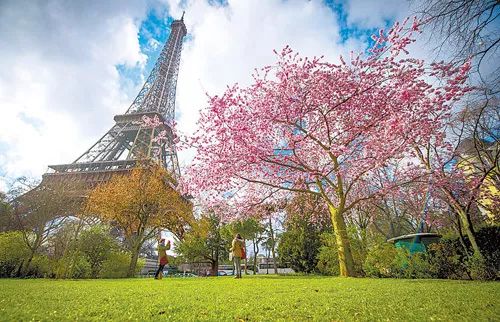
(243, 252)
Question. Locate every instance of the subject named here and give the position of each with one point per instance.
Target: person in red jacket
(162, 257)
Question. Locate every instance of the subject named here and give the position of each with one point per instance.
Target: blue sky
(68, 66)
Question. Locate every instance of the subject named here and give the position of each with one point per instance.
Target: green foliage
(382, 260)
(248, 229)
(72, 265)
(83, 257)
(385, 260)
(488, 238)
(116, 266)
(305, 298)
(40, 266)
(208, 240)
(13, 251)
(451, 258)
(328, 260)
(307, 218)
(299, 246)
(96, 244)
(478, 268)
(447, 259)
(300, 243)
(6, 222)
(415, 265)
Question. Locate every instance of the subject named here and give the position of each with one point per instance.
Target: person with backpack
(238, 253)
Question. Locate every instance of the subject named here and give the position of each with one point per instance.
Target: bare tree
(6, 222)
(468, 29)
(39, 211)
(477, 128)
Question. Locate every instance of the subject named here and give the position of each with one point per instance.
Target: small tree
(140, 204)
(252, 230)
(96, 244)
(272, 241)
(208, 240)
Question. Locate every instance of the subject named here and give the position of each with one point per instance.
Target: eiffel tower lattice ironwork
(131, 140)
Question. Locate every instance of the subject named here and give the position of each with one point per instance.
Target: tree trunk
(255, 252)
(73, 256)
(273, 246)
(465, 221)
(461, 235)
(27, 263)
(467, 226)
(267, 261)
(215, 266)
(346, 262)
(245, 246)
(133, 261)
(33, 248)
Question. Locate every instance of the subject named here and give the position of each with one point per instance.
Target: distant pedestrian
(162, 257)
(238, 252)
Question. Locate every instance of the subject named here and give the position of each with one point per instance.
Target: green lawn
(250, 299)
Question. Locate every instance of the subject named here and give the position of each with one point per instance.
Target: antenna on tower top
(182, 18)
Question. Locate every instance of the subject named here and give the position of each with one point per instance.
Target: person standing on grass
(238, 251)
(162, 257)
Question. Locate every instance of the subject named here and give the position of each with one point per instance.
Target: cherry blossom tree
(464, 167)
(310, 126)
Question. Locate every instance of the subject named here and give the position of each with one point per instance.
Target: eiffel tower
(131, 140)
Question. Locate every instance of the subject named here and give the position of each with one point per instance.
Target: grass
(260, 298)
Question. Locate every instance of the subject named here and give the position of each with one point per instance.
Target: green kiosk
(415, 243)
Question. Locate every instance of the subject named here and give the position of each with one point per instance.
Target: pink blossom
(306, 125)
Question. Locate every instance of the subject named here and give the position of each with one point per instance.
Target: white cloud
(59, 87)
(375, 14)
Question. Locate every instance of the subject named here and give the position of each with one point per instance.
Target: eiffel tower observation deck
(131, 140)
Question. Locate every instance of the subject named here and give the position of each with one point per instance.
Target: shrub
(328, 259)
(13, 251)
(448, 259)
(382, 260)
(488, 238)
(452, 258)
(116, 266)
(40, 266)
(300, 242)
(385, 260)
(73, 265)
(299, 247)
(415, 265)
(478, 268)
